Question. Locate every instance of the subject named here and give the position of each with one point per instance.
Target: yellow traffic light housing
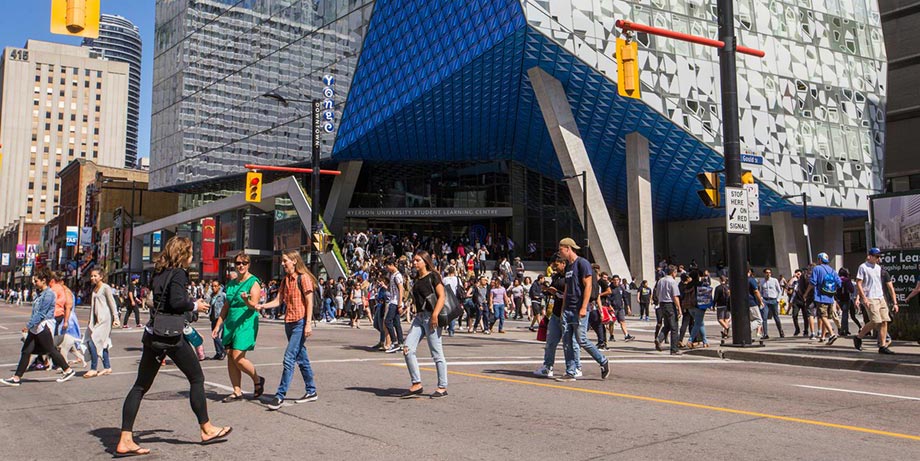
(710, 192)
(628, 68)
(75, 17)
(747, 177)
(254, 187)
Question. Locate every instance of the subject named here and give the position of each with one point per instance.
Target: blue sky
(30, 19)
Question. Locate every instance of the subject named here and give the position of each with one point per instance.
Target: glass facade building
(120, 40)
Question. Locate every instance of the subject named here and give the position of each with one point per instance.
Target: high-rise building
(57, 104)
(901, 21)
(120, 40)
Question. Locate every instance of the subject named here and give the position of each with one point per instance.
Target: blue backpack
(829, 284)
(703, 297)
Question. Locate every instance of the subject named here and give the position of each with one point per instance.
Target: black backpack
(317, 299)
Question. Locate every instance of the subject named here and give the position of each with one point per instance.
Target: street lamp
(314, 176)
(584, 203)
(805, 224)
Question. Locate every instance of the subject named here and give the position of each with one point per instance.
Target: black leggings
(137, 314)
(45, 343)
(186, 360)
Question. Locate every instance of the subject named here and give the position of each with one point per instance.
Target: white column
(573, 157)
(784, 238)
(639, 192)
(833, 240)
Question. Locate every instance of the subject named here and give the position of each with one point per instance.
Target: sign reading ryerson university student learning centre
(500, 212)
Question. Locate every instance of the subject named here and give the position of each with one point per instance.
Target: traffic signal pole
(731, 142)
(731, 145)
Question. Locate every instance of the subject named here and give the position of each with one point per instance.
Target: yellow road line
(682, 404)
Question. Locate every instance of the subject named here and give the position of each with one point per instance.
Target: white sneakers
(544, 372)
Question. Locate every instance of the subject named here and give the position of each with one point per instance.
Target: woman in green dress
(239, 320)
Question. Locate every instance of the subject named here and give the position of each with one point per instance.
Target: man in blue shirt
(825, 282)
(755, 303)
(579, 278)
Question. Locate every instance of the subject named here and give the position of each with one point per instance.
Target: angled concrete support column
(639, 192)
(833, 240)
(343, 188)
(784, 241)
(557, 113)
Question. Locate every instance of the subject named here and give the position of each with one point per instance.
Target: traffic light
(254, 187)
(628, 68)
(747, 177)
(710, 192)
(75, 17)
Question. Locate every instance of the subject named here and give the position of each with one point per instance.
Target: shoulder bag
(166, 329)
(451, 309)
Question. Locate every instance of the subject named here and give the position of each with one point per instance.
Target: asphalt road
(653, 406)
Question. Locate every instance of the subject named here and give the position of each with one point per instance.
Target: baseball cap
(874, 251)
(823, 258)
(569, 242)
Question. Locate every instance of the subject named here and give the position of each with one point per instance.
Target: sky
(30, 19)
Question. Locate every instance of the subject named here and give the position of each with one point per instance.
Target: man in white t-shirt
(871, 295)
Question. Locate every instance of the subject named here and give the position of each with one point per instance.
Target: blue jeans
(218, 341)
(94, 356)
(296, 352)
(499, 310)
(328, 310)
(421, 326)
(699, 328)
(770, 310)
(576, 331)
(392, 324)
(553, 336)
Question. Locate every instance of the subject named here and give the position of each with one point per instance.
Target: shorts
(620, 313)
(810, 310)
(825, 311)
(878, 310)
(536, 307)
(723, 313)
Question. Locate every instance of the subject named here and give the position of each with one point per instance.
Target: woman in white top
(103, 316)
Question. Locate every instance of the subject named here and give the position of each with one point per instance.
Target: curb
(837, 363)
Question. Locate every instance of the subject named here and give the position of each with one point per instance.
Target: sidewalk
(842, 355)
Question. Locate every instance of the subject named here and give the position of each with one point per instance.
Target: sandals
(232, 398)
(259, 388)
(106, 371)
(221, 436)
(135, 452)
(90, 374)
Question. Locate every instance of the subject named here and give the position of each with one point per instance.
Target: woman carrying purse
(169, 290)
(428, 294)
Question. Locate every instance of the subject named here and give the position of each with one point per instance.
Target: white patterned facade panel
(813, 108)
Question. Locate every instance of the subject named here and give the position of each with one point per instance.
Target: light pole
(805, 223)
(316, 107)
(584, 204)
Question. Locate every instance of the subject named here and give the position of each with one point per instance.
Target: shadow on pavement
(391, 392)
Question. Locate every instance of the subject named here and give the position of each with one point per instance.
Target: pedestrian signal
(747, 177)
(710, 192)
(628, 68)
(75, 17)
(254, 187)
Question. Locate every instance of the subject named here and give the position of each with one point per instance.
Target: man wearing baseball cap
(870, 290)
(825, 281)
(579, 281)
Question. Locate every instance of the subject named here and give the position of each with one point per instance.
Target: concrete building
(901, 21)
(57, 104)
(97, 200)
(120, 40)
(463, 117)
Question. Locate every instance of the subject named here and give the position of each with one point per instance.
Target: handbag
(541, 330)
(166, 329)
(451, 309)
(607, 315)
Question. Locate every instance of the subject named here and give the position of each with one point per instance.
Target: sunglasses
(240, 263)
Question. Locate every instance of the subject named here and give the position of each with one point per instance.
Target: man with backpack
(825, 282)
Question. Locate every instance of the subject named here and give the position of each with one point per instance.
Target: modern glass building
(120, 40)
(434, 97)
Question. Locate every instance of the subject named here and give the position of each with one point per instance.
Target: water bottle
(192, 336)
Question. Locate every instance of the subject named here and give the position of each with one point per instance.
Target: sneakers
(885, 350)
(578, 373)
(629, 338)
(393, 348)
(831, 339)
(566, 378)
(67, 375)
(857, 343)
(10, 382)
(311, 397)
(276, 403)
(544, 372)
(605, 370)
(657, 345)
